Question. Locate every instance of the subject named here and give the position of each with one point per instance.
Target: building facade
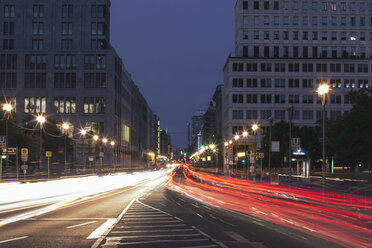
(56, 60)
(196, 127)
(284, 50)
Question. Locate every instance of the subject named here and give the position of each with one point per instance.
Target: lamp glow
(7, 107)
(323, 89)
(245, 134)
(95, 137)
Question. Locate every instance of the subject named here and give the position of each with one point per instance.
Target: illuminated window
(333, 6)
(35, 104)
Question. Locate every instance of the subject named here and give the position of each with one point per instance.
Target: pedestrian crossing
(145, 226)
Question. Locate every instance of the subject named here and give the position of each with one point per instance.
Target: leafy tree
(350, 136)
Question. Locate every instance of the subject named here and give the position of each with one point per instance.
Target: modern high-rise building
(56, 60)
(196, 126)
(284, 50)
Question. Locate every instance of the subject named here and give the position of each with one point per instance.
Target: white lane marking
(155, 231)
(102, 229)
(237, 237)
(9, 240)
(108, 227)
(83, 224)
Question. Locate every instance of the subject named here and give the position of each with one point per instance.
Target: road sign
(24, 154)
(91, 158)
(48, 154)
(24, 167)
(11, 151)
(275, 146)
(101, 154)
(2, 141)
(295, 142)
(261, 155)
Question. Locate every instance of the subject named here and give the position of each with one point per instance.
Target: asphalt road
(146, 215)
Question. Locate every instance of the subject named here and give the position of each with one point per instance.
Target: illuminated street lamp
(65, 127)
(236, 137)
(245, 134)
(112, 143)
(95, 137)
(8, 109)
(41, 120)
(230, 142)
(226, 143)
(255, 128)
(322, 91)
(83, 132)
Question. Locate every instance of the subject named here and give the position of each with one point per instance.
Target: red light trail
(342, 219)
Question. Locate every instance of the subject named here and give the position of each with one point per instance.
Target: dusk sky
(175, 51)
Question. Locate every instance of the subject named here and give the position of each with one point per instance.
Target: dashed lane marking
(82, 224)
(14, 239)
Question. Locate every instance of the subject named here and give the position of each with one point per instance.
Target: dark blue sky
(175, 51)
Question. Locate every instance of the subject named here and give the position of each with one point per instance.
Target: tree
(350, 136)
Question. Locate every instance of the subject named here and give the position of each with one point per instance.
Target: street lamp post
(290, 115)
(41, 120)
(8, 109)
(112, 143)
(271, 125)
(255, 128)
(323, 90)
(65, 127)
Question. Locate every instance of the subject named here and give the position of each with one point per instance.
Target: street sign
(24, 167)
(261, 155)
(11, 151)
(24, 154)
(275, 146)
(91, 158)
(2, 141)
(295, 142)
(48, 154)
(101, 154)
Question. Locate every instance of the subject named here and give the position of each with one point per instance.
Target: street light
(245, 134)
(83, 132)
(95, 137)
(236, 137)
(65, 126)
(8, 109)
(255, 128)
(41, 120)
(322, 91)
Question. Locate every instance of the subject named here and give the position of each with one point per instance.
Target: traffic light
(185, 154)
(243, 161)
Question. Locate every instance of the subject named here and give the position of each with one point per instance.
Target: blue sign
(299, 152)
(2, 140)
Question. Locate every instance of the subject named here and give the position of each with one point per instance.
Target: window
(66, 44)
(336, 83)
(314, 20)
(276, 35)
(245, 5)
(279, 83)
(64, 80)
(8, 61)
(237, 98)
(265, 98)
(245, 20)
(37, 28)
(64, 62)
(295, 35)
(335, 68)
(276, 20)
(362, 21)
(256, 20)
(266, 20)
(252, 83)
(335, 114)
(308, 115)
(256, 35)
(265, 114)
(279, 67)
(305, 35)
(305, 20)
(293, 83)
(343, 6)
(237, 66)
(99, 11)
(9, 10)
(8, 80)
(8, 44)
(266, 67)
(237, 83)
(307, 68)
(307, 83)
(67, 11)
(266, 5)
(276, 5)
(285, 20)
(35, 105)
(293, 67)
(280, 99)
(349, 83)
(321, 67)
(251, 98)
(363, 68)
(8, 28)
(35, 80)
(64, 105)
(38, 11)
(343, 35)
(307, 99)
(66, 27)
(363, 83)
(285, 5)
(294, 99)
(237, 114)
(295, 20)
(352, 21)
(252, 115)
(279, 114)
(343, 21)
(324, 6)
(266, 35)
(245, 35)
(37, 44)
(324, 20)
(333, 6)
(94, 105)
(256, 5)
(251, 67)
(265, 83)
(349, 68)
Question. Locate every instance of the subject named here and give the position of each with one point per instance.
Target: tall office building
(284, 50)
(196, 126)
(56, 59)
